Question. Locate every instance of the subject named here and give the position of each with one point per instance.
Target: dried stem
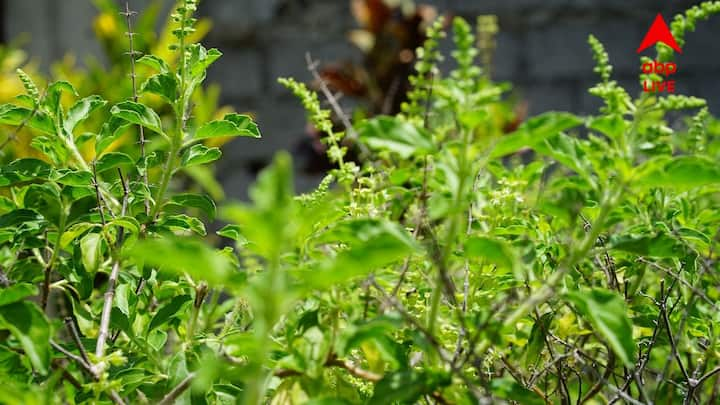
(112, 282)
(133, 78)
(178, 390)
(312, 67)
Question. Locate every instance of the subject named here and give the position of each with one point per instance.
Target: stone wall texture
(542, 49)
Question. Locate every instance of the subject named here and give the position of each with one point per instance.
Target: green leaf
(17, 217)
(534, 131)
(660, 245)
(44, 198)
(53, 96)
(495, 251)
(129, 223)
(74, 231)
(232, 232)
(16, 292)
(536, 342)
(81, 110)
(395, 135)
(169, 311)
(122, 300)
(184, 222)
(91, 248)
(139, 114)
(509, 389)
(607, 313)
(155, 63)
(372, 244)
(109, 133)
(112, 160)
(201, 59)
(164, 85)
(24, 170)
(15, 115)
(230, 125)
(199, 155)
(69, 177)
(202, 202)
(612, 126)
(683, 172)
(406, 387)
(180, 255)
(28, 324)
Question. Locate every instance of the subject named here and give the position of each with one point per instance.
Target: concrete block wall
(542, 49)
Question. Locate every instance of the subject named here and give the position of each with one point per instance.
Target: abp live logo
(659, 32)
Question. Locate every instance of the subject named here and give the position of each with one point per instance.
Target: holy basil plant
(452, 260)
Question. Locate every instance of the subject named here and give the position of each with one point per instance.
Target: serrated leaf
(683, 172)
(15, 115)
(607, 313)
(612, 126)
(180, 255)
(534, 131)
(155, 63)
(164, 85)
(372, 244)
(185, 222)
(232, 232)
(202, 202)
(395, 135)
(139, 114)
(81, 110)
(109, 133)
(199, 155)
(24, 170)
(112, 160)
(44, 198)
(17, 217)
(230, 125)
(69, 177)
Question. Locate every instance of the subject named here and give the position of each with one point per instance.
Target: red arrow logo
(659, 32)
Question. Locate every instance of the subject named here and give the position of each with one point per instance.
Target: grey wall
(541, 48)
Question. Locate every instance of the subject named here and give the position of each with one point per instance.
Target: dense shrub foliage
(573, 260)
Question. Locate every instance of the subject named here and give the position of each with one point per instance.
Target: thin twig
(331, 98)
(178, 390)
(112, 282)
(114, 396)
(70, 325)
(128, 19)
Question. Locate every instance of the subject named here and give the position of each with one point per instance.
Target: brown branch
(70, 325)
(86, 367)
(128, 19)
(171, 396)
(112, 282)
(333, 361)
(312, 67)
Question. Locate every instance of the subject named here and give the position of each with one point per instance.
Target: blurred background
(365, 50)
